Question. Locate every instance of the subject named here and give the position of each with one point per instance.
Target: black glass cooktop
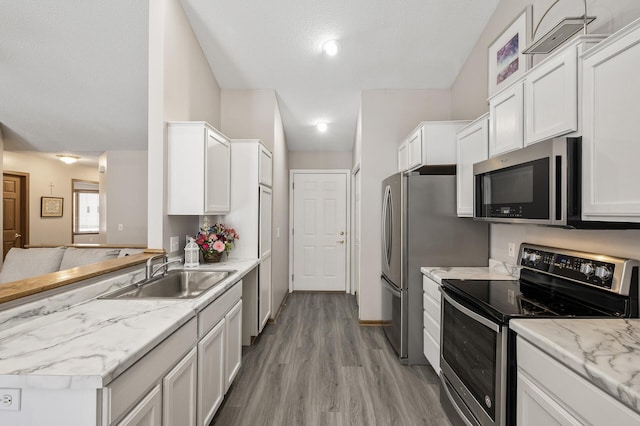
(516, 299)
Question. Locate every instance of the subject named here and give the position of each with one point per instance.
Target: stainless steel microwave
(538, 184)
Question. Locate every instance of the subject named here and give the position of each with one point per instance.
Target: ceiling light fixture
(332, 47)
(322, 127)
(68, 159)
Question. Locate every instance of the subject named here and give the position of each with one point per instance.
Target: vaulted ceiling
(73, 74)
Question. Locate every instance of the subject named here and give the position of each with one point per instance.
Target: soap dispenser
(191, 254)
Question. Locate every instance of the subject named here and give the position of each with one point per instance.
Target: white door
(355, 263)
(319, 231)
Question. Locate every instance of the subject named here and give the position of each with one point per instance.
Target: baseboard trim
(282, 305)
(370, 323)
(320, 291)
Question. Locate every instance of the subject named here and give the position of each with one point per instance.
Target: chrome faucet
(150, 272)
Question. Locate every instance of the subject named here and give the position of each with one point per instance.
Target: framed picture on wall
(507, 63)
(51, 206)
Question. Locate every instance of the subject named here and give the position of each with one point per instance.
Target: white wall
(387, 117)
(320, 160)
(469, 94)
(42, 173)
(181, 87)
(255, 114)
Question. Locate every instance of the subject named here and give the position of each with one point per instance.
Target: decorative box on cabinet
(551, 92)
(610, 148)
(473, 146)
(548, 393)
(431, 143)
(198, 169)
(431, 322)
(506, 120)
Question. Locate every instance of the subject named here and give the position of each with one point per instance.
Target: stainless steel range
(478, 356)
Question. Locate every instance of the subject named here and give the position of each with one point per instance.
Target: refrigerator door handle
(387, 220)
(391, 288)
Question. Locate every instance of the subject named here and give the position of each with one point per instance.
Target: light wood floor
(317, 366)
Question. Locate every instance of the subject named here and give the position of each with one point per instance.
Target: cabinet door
(414, 148)
(148, 412)
(264, 294)
(217, 174)
(265, 167)
(534, 407)
(210, 374)
(551, 98)
(610, 148)
(266, 199)
(473, 146)
(403, 157)
(233, 344)
(506, 125)
(179, 392)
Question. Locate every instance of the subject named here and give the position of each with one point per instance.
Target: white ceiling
(73, 74)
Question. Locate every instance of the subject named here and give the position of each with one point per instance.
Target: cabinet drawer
(212, 314)
(431, 351)
(580, 397)
(431, 326)
(431, 287)
(431, 307)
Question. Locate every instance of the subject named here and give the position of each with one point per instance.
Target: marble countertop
(90, 343)
(606, 352)
(495, 271)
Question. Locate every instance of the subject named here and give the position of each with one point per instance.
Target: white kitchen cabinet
(431, 322)
(403, 156)
(211, 377)
(179, 392)
(473, 146)
(198, 169)
(506, 120)
(549, 393)
(233, 344)
(431, 143)
(264, 285)
(148, 412)
(265, 166)
(551, 92)
(610, 148)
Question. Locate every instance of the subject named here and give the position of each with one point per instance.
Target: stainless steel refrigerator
(420, 227)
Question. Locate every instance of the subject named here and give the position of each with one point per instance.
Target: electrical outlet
(174, 243)
(512, 250)
(9, 399)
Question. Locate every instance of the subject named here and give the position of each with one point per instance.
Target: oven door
(473, 363)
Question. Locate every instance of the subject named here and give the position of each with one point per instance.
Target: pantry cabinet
(472, 147)
(430, 143)
(610, 148)
(198, 169)
(506, 122)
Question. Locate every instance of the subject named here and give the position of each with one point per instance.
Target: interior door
(13, 228)
(319, 231)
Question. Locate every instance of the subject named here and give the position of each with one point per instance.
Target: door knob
(17, 236)
(342, 233)
(340, 242)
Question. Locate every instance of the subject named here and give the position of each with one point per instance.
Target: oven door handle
(468, 312)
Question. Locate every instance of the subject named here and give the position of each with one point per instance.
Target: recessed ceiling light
(322, 126)
(68, 159)
(331, 47)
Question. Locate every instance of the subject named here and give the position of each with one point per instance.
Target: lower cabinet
(431, 322)
(233, 344)
(211, 380)
(148, 412)
(549, 393)
(179, 392)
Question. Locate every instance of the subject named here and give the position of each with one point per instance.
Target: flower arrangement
(216, 239)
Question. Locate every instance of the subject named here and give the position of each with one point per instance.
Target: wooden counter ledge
(30, 286)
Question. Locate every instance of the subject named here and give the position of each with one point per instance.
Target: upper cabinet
(610, 150)
(473, 146)
(431, 143)
(199, 169)
(506, 124)
(265, 166)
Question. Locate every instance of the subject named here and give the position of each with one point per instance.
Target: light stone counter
(495, 271)
(606, 352)
(70, 344)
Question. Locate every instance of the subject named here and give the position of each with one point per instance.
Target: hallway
(317, 366)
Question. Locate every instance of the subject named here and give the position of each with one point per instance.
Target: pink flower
(218, 246)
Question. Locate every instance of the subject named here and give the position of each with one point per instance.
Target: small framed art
(51, 206)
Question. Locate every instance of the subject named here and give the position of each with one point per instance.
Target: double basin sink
(175, 284)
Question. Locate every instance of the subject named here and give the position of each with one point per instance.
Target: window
(86, 207)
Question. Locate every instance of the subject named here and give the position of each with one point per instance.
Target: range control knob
(587, 268)
(602, 272)
(534, 257)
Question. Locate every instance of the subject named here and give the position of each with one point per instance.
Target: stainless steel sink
(176, 284)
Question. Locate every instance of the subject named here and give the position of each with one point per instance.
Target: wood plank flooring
(318, 366)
